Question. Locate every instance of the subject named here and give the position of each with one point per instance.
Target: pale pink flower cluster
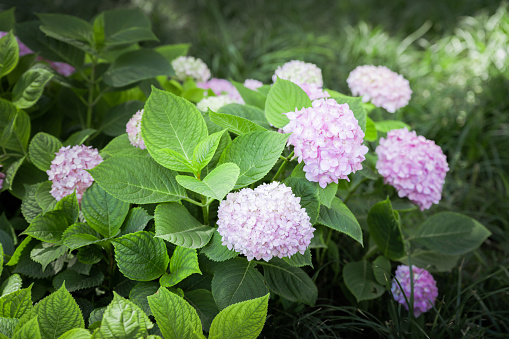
(378, 84)
(23, 49)
(415, 166)
(133, 129)
(253, 84)
(265, 222)
(314, 92)
(425, 288)
(215, 103)
(222, 87)
(190, 67)
(299, 72)
(2, 177)
(327, 137)
(68, 170)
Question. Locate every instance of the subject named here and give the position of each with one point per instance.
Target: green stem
(324, 250)
(282, 167)
(205, 209)
(194, 202)
(90, 101)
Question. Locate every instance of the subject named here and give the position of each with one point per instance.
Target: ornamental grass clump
(425, 288)
(378, 84)
(133, 129)
(415, 166)
(265, 222)
(190, 67)
(68, 170)
(327, 137)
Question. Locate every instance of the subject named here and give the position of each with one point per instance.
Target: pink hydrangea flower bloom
(378, 84)
(415, 166)
(327, 137)
(68, 170)
(62, 68)
(190, 67)
(253, 84)
(220, 87)
(265, 222)
(314, 92)
(425, 288)
(2, 177)
(23, 49)
(133, 129)
(299, 72)
(215, 103)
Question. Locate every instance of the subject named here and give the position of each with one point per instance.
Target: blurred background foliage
(454, 53)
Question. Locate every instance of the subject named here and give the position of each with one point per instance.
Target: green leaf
(29, 330)
(300, 260)
(244, 320)
(123, 319)
(76, 333)
(255, 153)
(42, 150)
(308, 194)
(44, 198)
(371, 133)
(121, 146)
(234, 124)
(7, 326)
(7, 19)
(140, 292)
(57, 314)
(137, 65)
(9, 54)
(341, 219)
(26, 174)
(204, 304)
(175, 317)
(16, 304)
(171, 52)
(75, 281)
(205, 150)
(431, 260)
(382, 270)
(79, 235)
(183, 263)
(29, 206)
(327, 194)
(69, 29)
(175, 224)
(360, 280)
(29, 87)
(45, 253)
(175, 161)
(249, 96)
(140, 256)
(12, 284)
(216, 251)
(138, 180)
(90, 255)
(289, 282)
(385, 229)
(171, 122)
(115, 121)
(103, 212)
(79, 137)
(70, 207)
(16, 134)
(284, 97)
(451, 233)
(217, 184)
(17, 253)
(11, 173)
(385, 126)
(355, 104)
(48, 227)
(236, 280)
(248, 112)
(136, 221)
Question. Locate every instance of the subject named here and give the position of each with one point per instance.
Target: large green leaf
(122, 146)
(216, 251)
(284, 97)
(385, 229)
(175, 317)
(371, 133)
(7, 327)
(137, 65)
(248, 112)
(44, 198)
(385, 126)
(451, 233)
(29, 87)
(103, 212)
(204, 304)
(16, 304)
(355, 104)
(234, 124)
(173, 123)
(115, 121)
(9, 54)
(29, 206)
(140, 292)
(255, 153)
(136, 221)
(249, 96)
(29, 330)
(69, 29)
(205, 150)
(341, 219)
(138, 180)
(45, 253)
(48, 227)
(7, 19)
(16, 134)
(289, 282)
(171, 52)
(79, 235)
(140, 256)
(75, 281)
(360, 280)
(236, 280)
(175, 224)
(12, 284)
(244, 320)
(183, 263)
(300, 260)
(308, 194)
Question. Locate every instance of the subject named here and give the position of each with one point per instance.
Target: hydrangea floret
(133, 129)
(425, 288)
(190, 67)
(265, 222)
(215, 103)
(253, 84)
(415, 166)
(378, 84)
(314, 92)
(2, 177)
(68, 170)
(299, 72)
(328, 138)
(221, 87)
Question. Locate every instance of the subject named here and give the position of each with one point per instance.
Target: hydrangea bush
(140, 197)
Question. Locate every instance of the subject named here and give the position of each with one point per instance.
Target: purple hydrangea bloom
(378, 84)
(299, 72)
(68, 170)
(327, 137)
(23, 49)
(133, 129)
(221, 87)
(415, 166)
(61, 67)
(425, 288)
(190, 67)
(265, 222)
(253, 84)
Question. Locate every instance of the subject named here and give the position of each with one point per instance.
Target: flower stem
(282, 167)
(205, 208)
(90, 101)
